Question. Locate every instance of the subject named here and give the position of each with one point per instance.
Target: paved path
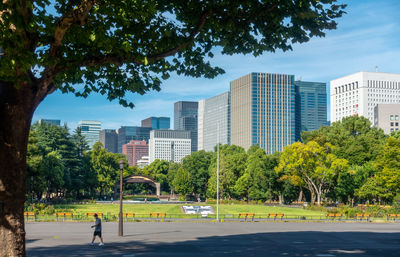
(209, 239)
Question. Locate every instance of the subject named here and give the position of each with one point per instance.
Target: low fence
(231, 217)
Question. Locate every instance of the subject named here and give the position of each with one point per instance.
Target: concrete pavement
(242, 239)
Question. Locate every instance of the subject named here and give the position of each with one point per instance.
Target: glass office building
(157, 122)
(214, 122)
(128, 133)
(185, 118)
(311, 106)
(263, 111)
(109, 139)
(90, 129)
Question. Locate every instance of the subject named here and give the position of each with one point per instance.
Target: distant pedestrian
(97, 230)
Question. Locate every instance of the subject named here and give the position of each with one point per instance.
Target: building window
(397, 117)
(397, 124)
(391, 124)
(391, 117)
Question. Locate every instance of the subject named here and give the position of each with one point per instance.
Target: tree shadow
(305, 243)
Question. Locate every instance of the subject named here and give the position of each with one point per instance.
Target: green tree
(385, 183)
(158, 170)
(353, 138)
(231, 166)
(315, 165)
(106, 166)
(182, 183)
(197, 164)
(117, 47)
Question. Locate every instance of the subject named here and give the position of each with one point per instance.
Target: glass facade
(157, 122)
(216, 112)
(128, 133)
(185, 118)
(90, 129)
(273, 111)
(311, 112)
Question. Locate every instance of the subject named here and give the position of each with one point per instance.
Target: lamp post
(120, 224)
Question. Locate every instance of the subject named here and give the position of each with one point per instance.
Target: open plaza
(200, 239)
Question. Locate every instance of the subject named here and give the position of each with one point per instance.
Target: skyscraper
(156, 122)
(91, 130)
(169, 145)
(311, 106)
(185, 118)
(263, 111)
(109, 139)
(213, 113)
(359, 93)
(134, 151)
(128, 133)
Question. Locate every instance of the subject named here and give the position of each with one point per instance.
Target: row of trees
(346, 162)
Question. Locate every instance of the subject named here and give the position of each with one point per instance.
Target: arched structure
(143, 179)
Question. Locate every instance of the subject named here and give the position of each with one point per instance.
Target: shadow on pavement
(306, 243)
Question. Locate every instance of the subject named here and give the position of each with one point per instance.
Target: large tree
(115, 47)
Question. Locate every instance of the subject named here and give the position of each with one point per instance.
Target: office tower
(311, 106)
(263, 111)
(169, 145)
(185, 118)
(386, 117)
(128, 133)
(359, 93)
(143, 162)
(134, 151)
(109, 139)
(200, 125)
(49, 121)
(213, 113)
(90, 129)
(156, 122)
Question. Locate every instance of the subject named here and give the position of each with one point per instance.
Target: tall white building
(214, 112)
(90, 129)
(359, 93)
(169, 145)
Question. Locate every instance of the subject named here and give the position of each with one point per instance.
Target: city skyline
(367, 36)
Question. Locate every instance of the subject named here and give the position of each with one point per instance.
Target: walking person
(97, 230)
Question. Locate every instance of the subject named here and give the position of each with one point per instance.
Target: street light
(120, 224)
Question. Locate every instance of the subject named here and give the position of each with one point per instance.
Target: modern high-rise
(134, 151)
(169, 145)
(311, 106)
(128, 133)
(387, 117)
(359, 93)
(263, 111)
(157, 122)
(50, 121)
(90, 129)
(185, 118)
(109, 139)
(214, 122)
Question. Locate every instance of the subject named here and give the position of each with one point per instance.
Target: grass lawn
(175, 209)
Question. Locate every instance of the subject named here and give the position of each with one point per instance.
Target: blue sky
(367, 36)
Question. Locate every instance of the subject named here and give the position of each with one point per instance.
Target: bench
(91, 214)
(64, 215)
(393, 217)
(158, 215)
(127, 216)
(334, 216)
(30, 214)
(275, 216)
(361, 216)
(246, 216)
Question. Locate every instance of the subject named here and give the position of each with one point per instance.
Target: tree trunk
(300, 195)
(16, 113)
